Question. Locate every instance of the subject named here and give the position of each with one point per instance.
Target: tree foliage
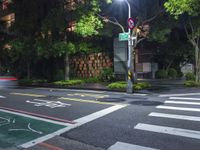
(188, 11)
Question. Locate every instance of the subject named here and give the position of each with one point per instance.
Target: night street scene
(99, 74)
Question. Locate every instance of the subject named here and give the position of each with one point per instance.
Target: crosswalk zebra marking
(183, 94)
(178, 108)
(2, 96)
(184, 98)
(126, 146)
(182, 102)
(169, 130)
(173, 116)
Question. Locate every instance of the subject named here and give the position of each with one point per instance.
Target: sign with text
(123, 36)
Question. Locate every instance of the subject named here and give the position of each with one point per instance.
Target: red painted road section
(38, 115)
(49, 146)
(8, 79)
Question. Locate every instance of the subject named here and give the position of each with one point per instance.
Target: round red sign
(131, 23)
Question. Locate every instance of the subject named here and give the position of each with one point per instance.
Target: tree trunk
(66, 66)
(197, 61)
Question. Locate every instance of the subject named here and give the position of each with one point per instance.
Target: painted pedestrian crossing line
(127, 146)
(179, 108)
(173, 116)
(169, 130)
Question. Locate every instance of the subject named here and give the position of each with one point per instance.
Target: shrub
(122, 85)
(67, 83)
(107, 75)
(161, 74)
(118, 85)
(92, 80)
(190, 76)
(172, 73)
(25, 82)
(191, 83)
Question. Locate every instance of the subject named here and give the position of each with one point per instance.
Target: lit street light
(130, 46)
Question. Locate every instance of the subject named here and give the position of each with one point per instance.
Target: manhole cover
(111, 99)
(146, 103)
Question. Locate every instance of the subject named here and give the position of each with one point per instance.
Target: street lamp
(129, 62)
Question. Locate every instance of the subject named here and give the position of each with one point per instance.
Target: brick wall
(89, 65)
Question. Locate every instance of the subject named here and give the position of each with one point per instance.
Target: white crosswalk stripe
(178, 108)
(2, 96)
(126, 146)
(185, 98)
(169, 130)
(182, 102)
(173, 116)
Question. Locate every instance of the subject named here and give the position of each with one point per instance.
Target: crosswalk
(175, 109)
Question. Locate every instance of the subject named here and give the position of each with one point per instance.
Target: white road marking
(184, 94)
(182, 102)
(79, 121)
(169, 130)
(173, 116)
(47, 103)
(2, 96)
(185, 98)
(178, 108)
(36, 118)
(126, 146)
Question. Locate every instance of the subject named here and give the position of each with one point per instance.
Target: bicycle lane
(66, 113)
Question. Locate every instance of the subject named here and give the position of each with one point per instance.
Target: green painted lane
(16, 130)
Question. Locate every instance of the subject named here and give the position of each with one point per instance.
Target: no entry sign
(131, 23)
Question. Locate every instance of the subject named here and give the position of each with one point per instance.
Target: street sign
(131, 23)
(123, 36)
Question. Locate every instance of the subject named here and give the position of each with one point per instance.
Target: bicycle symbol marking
(6, 121)
(50, 104)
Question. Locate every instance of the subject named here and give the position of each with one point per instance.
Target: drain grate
(146, 103)
(111, 100)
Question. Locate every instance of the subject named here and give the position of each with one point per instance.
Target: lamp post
(129, 62)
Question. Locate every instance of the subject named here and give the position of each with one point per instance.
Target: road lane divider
(88, 101)
(88, 95)
(28, 94)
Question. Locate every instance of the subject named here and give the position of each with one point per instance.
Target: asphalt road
(97, 120)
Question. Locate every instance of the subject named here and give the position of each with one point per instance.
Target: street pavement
(66, 119)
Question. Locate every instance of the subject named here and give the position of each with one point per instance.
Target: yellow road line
(90, 95)
(89, 101)
(28, 94)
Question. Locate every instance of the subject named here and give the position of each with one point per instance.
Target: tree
(188, 12)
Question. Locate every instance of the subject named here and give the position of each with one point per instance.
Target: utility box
(120, 58)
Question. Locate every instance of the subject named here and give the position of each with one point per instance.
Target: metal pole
(129, 63)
